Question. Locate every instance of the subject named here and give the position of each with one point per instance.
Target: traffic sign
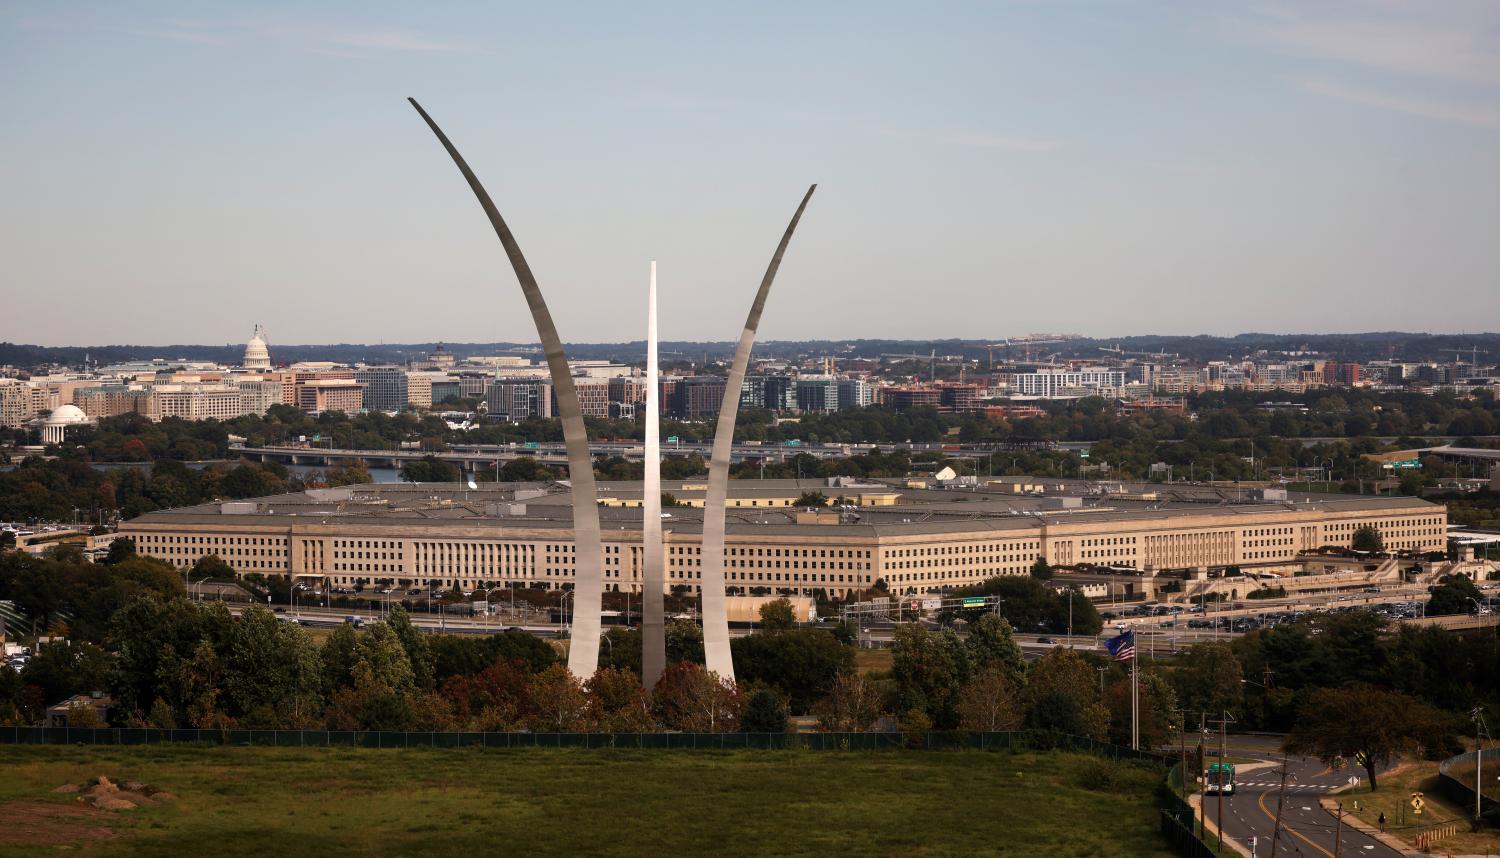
(1417, 803)
(974, 602)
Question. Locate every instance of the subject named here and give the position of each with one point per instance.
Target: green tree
(992, 643)
(429, 469)
(1364, 724)
(415, 644)
(1041, 569)
(694, 700)
(617, 702)
(990, 701)
(1453, 595)
(212, 566)
(777, 615)
(799, 663)
(1062, 695)
(1209, 678)
(120, 549)
(558, 701)
(348, 472)
(271, 671)
(1367, 538)
(765, 712)
(929, 668)
(811, 498)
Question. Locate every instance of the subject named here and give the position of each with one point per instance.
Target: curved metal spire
(588, 587)
(717, 657)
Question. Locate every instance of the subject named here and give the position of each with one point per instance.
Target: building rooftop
(915, 512)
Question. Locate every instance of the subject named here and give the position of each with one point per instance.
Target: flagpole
(1135, 704)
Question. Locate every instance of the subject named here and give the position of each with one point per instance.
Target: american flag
(1122, 648)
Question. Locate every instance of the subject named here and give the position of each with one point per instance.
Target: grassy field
(1393, 799)
(264, 801)
(872, 660)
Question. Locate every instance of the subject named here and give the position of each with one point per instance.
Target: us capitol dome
(257, 356)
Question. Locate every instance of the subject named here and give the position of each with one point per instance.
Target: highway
(1306, 828)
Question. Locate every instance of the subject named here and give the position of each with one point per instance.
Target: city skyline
(1311, 168)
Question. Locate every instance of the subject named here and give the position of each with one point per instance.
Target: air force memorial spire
(583, 653)
(654, 579)
(716, 653)
(588, 586)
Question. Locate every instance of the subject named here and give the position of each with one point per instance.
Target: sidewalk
(1330, 803)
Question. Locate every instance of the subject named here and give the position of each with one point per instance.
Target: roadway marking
(1286, 827)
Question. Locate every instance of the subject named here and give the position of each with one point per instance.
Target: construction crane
(1473, 352)
(931, 359)
(1122, 352)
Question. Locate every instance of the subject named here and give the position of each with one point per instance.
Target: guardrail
(997, 741)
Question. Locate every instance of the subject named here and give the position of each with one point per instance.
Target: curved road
(1306, 828)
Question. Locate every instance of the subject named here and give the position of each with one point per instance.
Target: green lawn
(1394, 797)
(264, 801)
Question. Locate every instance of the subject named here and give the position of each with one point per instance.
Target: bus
(1220, 779)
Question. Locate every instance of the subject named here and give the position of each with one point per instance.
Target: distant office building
(907, 397)
(960, 397)
(1336, 372)
(111, 400)
(257, 395)
(855, 393)
(330, 394)
(385, 387)
(195, 402)
(21, 401)
(474, 384)
(817, 394)
(446, 390)
(1063, 383)
(698, 397)
(593, 396)
(516, 399)
(419, 387)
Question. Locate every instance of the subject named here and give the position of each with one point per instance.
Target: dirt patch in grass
(40, 823)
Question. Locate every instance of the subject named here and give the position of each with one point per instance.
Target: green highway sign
(671, 439)
(974, 602)
(1083, 454)
(1403, 464)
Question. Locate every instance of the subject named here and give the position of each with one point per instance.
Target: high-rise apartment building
(516, 399)
(385, 387)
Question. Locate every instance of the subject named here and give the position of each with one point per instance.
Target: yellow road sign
(1417, 803)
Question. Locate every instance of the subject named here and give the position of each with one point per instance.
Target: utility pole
(1280, 794)
(1338, 832)
(1481, 732)
(1224, 720)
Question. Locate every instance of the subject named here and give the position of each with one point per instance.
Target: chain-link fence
(717, 741)
(1456, 778)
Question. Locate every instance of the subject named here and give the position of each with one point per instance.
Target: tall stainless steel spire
(717, 657)
(588, 587)
(654, 575)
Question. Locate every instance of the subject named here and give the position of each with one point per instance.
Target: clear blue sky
(175, 172)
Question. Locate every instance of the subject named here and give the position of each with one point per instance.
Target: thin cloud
(1454, 40)
(1483, 116)
(399, 40)
(192, 37)
(973, 139)
(981, 140)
